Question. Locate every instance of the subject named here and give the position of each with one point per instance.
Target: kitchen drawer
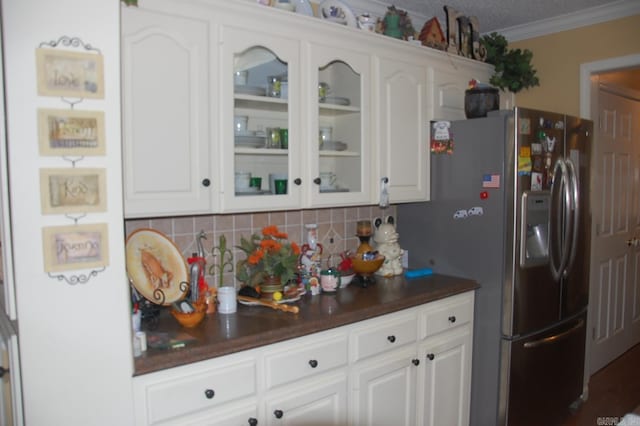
(446, 314)
(383, 334)
(204, 389)
(305, 357)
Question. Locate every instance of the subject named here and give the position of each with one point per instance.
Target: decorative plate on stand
(156, 267)
(337, 11)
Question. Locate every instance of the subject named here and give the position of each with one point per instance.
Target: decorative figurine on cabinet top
(386, 239)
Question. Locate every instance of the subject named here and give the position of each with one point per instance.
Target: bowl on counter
(364, 264)
(191, 319)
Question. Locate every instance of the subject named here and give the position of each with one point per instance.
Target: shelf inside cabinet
(334, 110)
(329, 153)
(261, 151)
(261, 103)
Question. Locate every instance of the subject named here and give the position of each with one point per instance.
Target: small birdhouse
(431, 35)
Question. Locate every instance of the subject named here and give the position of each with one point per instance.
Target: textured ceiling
(495, 15)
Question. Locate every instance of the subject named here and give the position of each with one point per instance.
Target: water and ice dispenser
(534, 233)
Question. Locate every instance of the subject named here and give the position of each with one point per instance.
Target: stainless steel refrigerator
(510, 208)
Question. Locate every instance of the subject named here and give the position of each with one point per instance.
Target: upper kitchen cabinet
(166, 118)
(403, 128)
(450, 80)
(261, 129)
(339, 146)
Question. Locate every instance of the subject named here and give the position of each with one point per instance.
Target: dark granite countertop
(254, 326)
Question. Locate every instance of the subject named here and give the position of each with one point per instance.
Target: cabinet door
(404, 124)
(260, 109)
(165, 117)
(384, 390)
(445, 382)
(338, 137)
(321, 401)
(234, 415)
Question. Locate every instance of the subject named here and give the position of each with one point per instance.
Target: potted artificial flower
(270, 263)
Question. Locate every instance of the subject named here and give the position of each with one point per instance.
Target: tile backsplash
(336, 230)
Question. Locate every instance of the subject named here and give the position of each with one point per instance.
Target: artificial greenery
(513, 69)
(130, 2)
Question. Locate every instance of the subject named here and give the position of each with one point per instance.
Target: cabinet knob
(3, 371)
(278, 414)
(391, 338)
(206, 182)
(253, 421)
(313, 363)
(209, 393)
(317, 181)
(415, 362)
(431, 357)
(297, 181)
(452, 319)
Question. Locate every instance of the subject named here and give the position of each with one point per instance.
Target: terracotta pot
(270, 285)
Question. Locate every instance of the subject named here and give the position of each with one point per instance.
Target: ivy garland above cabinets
(130, 2)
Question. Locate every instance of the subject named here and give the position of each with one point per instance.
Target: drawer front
(305, 357)
(205, 389)
(384, 334)
(446, 314)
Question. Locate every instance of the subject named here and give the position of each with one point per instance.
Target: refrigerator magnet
(524, 166)
(524, 126)
(536, 181)
(441, 139)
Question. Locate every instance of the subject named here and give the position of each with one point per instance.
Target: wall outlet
(405, 259)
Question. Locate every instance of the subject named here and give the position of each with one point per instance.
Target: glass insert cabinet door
(340, 167)
(260, 127)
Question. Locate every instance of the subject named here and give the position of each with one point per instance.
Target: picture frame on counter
(71, 74)
(75, 247)
(68, 132)
(73, 190)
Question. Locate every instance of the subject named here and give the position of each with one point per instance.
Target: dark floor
(613, 392)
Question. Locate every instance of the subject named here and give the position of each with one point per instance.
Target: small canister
(274, 84)
(329, 280)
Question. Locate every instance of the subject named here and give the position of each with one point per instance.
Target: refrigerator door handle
(561, 212)
(555, 337)
(574, 188)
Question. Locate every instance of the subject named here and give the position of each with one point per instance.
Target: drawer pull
(313, 363)
(206, 182)
(452, 319)
(209, 393)
(278, 414)
(415, 362)
(431, 357)
(297, 181)
(253, 421)
(391, 338)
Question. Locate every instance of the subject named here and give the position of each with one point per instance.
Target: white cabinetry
(181, 149)
(165, 114)
(404, 368)
(403, 128)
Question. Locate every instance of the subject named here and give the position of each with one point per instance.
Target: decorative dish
(250, 90)
(333, 146)
(250, 141)
(156, 267)
(336, 100)
(303, 7)
(289, 299)
(337, 11)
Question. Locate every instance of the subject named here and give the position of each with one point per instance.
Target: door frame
(588, 109)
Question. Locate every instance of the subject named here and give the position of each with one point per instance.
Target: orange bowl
(366, 267)
(192, 319)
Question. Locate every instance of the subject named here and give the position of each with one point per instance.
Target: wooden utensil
(271, 304)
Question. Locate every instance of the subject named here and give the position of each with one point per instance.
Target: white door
(615, 260)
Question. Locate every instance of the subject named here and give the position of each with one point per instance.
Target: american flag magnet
(491, 181)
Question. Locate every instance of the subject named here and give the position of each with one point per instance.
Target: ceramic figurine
(386, 239)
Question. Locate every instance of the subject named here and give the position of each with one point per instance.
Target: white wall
(74, 339)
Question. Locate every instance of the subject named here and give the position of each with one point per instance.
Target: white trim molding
(590, 16)
(590, 68)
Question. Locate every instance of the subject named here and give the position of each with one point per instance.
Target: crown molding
(590, 16)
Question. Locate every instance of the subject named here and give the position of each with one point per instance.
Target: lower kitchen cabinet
(404, 368)
(384, 390)
(445, 379)
(321, 401)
